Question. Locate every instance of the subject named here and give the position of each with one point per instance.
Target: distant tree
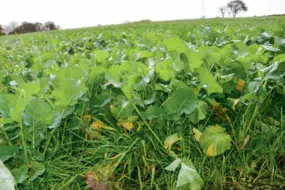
(237, 6)
(40, 27)
(11, 27)
(28, 27)
(18, 30)
(223, 11)
(51, 26)
(1, 31)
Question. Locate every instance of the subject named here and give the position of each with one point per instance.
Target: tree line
(27, 27)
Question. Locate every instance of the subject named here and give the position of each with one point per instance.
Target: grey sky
(81, 13)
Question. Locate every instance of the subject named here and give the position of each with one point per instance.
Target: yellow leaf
(197, 134)
(127, 125)
(140, 124)
(228, 118)
(97, 125)
(86, 118)
(236, 101)
(240, 85)
(245, 141)
(253, 165)
(170, 140)
(139, 128)
(117, 156)
(211, 150)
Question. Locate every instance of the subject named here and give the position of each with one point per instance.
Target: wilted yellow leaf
(240, 85)
(211, 150)
(153, 170)
(139, 128)
(170, 140)
(127, 125)
(236, 101)
(245, 141)
(197, 134)
(97, 125)
(140, 124)
(86, 118)
(228, 118)
(117, 156)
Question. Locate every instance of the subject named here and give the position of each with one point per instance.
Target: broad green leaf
(29, 89)
(96, 74)
(182, 101)
(37, 114)
(178, 65)
(154, 112)
(208, 81)
(130, 88)
(215, 141)
(253, 87)
(4, 107)
(175, 44)
(38, 169)
(227, 82)
(60, 113)
(67, 92)
(122, 111)
(144, 54)
(194, 60)
(188, 175)
(21, 174)
(17, 109)
(72, 72)
(7, 181)
(174, 165)
(102, 100)
(280, 58)
(101, 56)
(199, 113)
(210, 54)
(165, 70)
(117, 74)
(278, 73)
(7, 152)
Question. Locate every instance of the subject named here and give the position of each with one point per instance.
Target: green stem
(50, 136)
(23, 141)
(148, 126)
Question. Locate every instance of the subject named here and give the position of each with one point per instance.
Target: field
(168, 105)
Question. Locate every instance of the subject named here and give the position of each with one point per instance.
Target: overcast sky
(82, 13)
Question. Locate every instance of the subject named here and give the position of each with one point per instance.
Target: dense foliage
(186, 105)
(27, 27)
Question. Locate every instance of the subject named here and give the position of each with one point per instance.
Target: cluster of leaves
(128, 91)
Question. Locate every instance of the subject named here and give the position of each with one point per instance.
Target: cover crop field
(170, 105)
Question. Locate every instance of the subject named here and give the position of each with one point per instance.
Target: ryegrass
(138, 160)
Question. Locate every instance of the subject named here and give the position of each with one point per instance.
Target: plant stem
(23, 141)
